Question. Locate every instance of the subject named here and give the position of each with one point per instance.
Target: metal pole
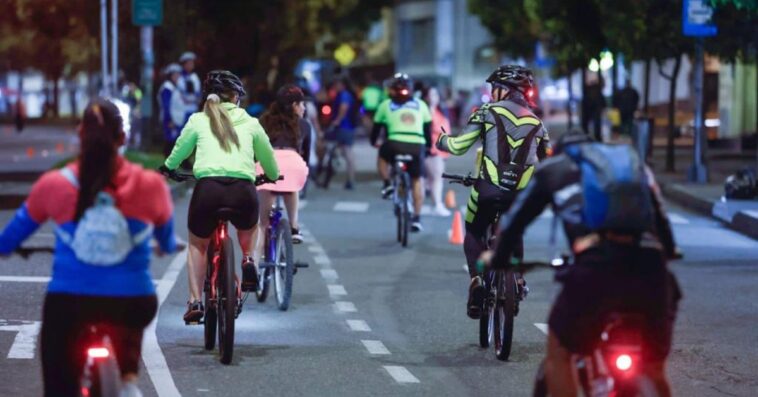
(146, 42)
(104, 46)
(114, 45)
(698, 173)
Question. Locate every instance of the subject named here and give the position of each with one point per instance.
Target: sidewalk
(708, 198)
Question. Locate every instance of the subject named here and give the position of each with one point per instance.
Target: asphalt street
(369, 318)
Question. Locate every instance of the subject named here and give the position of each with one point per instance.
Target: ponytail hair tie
(213, 98)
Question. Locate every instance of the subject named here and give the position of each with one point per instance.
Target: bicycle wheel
(285, 265)
(227, 302)
(485, 324)
(209, 322)
(399, 221)
(101, 377)
(404, 209)
(264, 273)
(505, 311)
(329, 171)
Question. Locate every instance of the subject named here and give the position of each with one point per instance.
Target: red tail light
(404, 92)
(530, 93)
(98, 352)
(223, 234)
(326, 110)
(624, 362)
(404, 167)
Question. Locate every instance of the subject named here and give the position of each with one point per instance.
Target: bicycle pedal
(194, 322)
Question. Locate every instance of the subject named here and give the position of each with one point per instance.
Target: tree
(514, 31)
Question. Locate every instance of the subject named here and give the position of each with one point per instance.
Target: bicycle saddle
(225, 214)
(403, 157)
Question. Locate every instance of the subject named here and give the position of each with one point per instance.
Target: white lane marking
(25, 342)
(351, 206)
(542, 327)
(316, 249)
(465, 268)
(155, 361)
(336, 289)
(358, 325)
(24, 279)
(322, 260)
(329, 274)
(678, 219)
(400, 374)
(345, 307)
(375, 347)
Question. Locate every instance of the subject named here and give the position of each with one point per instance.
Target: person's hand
(676, 255)
(484, 261)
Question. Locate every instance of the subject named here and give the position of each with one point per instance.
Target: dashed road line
(329, 274)
(678, 219)
(400, 374)
(316, 249)
(24, 279)
(375, 347)
(322, 260)
(336, 290)
(345, 307)
(358, 325)
(542, 327)
(351, 206)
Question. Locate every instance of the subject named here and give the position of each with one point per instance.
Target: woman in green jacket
(228, 143)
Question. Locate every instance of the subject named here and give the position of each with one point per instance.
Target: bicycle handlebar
(465, 180)
(180, 176)
(25, 252)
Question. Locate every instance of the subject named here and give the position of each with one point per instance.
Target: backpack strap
(502, 139)
(70, 176)
(523, 151)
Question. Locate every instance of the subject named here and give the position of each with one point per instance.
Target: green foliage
(737, 22)
(513, 30)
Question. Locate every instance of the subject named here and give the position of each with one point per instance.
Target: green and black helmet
(516, 78)
(222, 82)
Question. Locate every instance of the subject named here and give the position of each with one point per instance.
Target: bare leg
(384, 169)
(246, 240)
(290, 202)
(558, 370)
(196, 258)
(418, 196)
(266, 200)
(436, 166)
(347, 152)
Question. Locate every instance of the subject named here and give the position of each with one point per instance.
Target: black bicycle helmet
(512, 77)
(400, 87)
(222, 82)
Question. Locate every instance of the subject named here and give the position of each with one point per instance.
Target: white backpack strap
(70, 177)
(143, 236)
(65, 236)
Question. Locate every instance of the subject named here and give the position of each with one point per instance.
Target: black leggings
(64, 337)
(485, 203)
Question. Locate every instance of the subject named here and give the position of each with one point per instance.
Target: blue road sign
(696, 19)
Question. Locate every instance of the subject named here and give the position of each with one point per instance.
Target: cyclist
(407, 122)
(228, 143)
(290, 135)
(96, 283)
(513, 140)
(611, 270)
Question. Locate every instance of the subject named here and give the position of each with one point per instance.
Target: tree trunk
(570, 100)
(614, 81)
(56, 95)
(647, 88)
(583, 106)
(670, 166)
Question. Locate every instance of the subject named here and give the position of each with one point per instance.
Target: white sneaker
(130, 389)
(441, 211)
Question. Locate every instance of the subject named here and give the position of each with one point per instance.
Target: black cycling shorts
(389, 149)
(65, 336)
(634, 281)
(214, 193)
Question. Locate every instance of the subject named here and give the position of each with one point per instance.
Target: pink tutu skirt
(292, 167)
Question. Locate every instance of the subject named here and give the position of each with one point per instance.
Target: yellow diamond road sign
(344, 54)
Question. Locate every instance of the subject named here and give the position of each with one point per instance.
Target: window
(417, 41)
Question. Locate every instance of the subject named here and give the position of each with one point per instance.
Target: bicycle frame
(221, 233)
(275, 216)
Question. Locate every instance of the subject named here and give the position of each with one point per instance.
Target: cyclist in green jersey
(513, 141)
(407, 122)
(228, 143)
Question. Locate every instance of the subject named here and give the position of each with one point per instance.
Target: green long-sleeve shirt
(211, 160)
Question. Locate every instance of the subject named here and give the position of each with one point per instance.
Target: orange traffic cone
(456, 234)
(30, 152)
(450, 199)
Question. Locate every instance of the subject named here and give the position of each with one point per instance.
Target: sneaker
(524, 290)
(194, 312)
(129, 389)
(297, 238)
(249, 275)
(440, 210)
(387, 191)
(416, 224)
(476, 294)
(349, 185)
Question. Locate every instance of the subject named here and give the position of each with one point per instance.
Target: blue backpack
(615, 188)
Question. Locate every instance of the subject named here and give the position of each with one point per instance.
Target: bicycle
(278, 259)
(329, 164)
(401, 188)
(101, 375)
(222, 294)
(615, 366)
(503, 294)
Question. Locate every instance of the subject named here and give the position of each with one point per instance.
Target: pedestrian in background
(435, 160)
(343, 124)
(189, 84)
(20, 116)
(627, 101)
(593, 104)
(172, 107)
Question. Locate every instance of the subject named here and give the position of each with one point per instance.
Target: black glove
(164, 170)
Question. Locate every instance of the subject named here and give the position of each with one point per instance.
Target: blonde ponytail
(221, 122)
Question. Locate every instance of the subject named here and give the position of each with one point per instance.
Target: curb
(744, 222)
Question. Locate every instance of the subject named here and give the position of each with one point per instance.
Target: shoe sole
(475, 310)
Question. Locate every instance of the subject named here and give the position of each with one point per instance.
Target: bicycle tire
(505, 311)
(484, 330)
(227, 303)
(329, 172)
(103, 377)
(209, 323)
(399, 222)
(404, 210)
(283, 274)
(263, 280)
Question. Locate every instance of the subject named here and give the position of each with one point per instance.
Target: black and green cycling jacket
(518, 121)
(408, 122)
